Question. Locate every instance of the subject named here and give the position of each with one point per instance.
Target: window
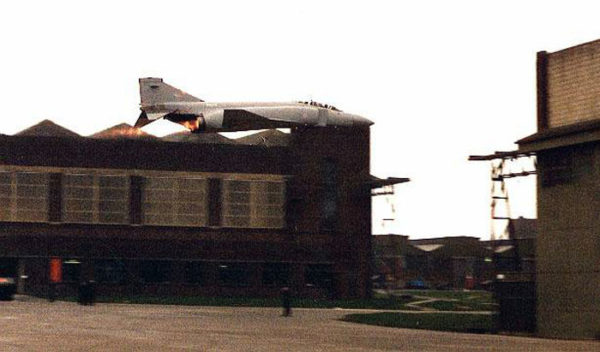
(24, 196)
(71, 270)
(155, 271)
(329, 208)
(109, 271)
(565, 165)
(175, 201)
(318, 275)
(268, 204)
(234, 274)
(276, 274)
(258, 204)
(113, 199)
(196, 273)
(78, 198)
(95, 199)
(236, 203)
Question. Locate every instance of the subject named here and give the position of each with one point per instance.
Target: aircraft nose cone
(361, 121)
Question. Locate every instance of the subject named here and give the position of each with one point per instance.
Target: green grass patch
(472, 323)
(393, 303)
(456, 300)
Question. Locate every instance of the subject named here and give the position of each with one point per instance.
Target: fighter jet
(160, 100)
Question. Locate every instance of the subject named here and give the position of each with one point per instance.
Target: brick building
(567, 148)
(187, 214)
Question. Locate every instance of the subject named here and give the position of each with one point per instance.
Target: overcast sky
(440, 79)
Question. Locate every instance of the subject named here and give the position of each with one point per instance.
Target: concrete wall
(568, 244)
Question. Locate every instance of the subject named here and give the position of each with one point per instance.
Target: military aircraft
(160, 100)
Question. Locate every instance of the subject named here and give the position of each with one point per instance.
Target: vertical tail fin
(155, 91)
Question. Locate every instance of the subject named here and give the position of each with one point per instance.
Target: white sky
(440, 79)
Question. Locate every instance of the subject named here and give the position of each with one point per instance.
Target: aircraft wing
(246, 119)
(260, 117)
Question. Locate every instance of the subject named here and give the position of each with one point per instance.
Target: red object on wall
(469, 282)
(55, 270)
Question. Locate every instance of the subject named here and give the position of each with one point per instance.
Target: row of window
(200, 273)
(175, 201)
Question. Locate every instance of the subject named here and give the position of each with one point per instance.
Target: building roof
(376, 182)
(204, 137)
(47, 128)
(394, 245)
(266, 138)
(122, 130)
(461, 246)
(522, 228)
(429, 247)
(577, 133)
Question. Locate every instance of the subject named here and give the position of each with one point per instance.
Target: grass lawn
(394, 303)
(455, 300)
(473, 323)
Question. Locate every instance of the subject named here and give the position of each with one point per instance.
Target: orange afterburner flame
(122, 130)
(192, 125)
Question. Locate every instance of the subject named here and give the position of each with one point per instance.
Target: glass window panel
(79, 180)
(191, 183)
(238, 186)
(274, 187)
(158, 219)
(113, 193)
(113, 218)
(237, 221)
(85, 217)
(5, 178)
(78, 205)
(5, 190)
(4, 202)
(112, 181)
(238, 209)
(31, 178)
(160, 196)
(238, 198)
(158, 208)
(274, 198)
(234, 274)
(183, 195)
(189, 208)
(155, 271)
(159, 183)
(109, 271)
(79, 192)
(31, 204)
(31, 215)
(197, 273)
(190, 220)
(112, 206)
(31, 191)
(276, 274)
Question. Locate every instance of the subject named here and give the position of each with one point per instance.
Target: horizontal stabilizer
(142, 121)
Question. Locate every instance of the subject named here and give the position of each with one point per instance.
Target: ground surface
(28, 324)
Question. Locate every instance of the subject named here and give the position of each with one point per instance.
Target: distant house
(396, 262)
(446, 262)
(456, 262)
(517, 253)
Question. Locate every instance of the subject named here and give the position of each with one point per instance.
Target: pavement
(30, 324)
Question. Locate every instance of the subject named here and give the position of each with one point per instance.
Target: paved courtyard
(29, 324)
